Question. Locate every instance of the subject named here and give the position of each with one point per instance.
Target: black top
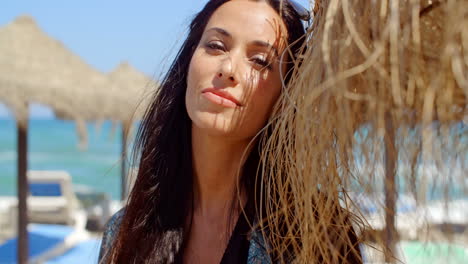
(238, 246)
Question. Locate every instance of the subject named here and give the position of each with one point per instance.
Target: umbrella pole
(123, 158)
(22, 189)
(390, 234)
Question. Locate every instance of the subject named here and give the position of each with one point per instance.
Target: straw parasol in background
(382, 88)
(131, 94)
(134, 88)
(37, 68)
(14, 101)
(125, 102)
(41, 69)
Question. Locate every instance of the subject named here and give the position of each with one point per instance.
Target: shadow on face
(234, 77)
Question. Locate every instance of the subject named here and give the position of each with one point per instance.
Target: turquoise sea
(52, 145)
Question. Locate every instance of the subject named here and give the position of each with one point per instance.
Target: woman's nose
(226, 71)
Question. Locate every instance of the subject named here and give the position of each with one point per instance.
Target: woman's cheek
(263, 99)
(269, 90)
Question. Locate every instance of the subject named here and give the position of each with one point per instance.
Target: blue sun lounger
(42, 238)
(84, 252)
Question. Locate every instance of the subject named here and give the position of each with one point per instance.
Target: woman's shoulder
(110, 231)
(113, 224)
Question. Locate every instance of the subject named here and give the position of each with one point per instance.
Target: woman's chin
(216, 124)
(227, 123)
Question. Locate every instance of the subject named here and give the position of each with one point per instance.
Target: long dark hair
(152, 228)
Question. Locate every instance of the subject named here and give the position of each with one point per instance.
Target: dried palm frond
(377, 108)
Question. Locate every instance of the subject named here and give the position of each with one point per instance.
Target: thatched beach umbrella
(14, 101)
(37, 68)
(382, 84)
(134, 88)
(19, 108)
(131, 95)
(45, 71)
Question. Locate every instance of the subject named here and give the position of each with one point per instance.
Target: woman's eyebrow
(258, 43)
(263, 44)
(220, 31)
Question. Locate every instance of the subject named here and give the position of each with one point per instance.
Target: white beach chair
(8, 221)
(52, 200)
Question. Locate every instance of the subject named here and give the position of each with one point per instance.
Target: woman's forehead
(249, 19)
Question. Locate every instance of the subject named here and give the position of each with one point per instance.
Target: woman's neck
(216, 163)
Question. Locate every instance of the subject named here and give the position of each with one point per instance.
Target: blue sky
(145, 33)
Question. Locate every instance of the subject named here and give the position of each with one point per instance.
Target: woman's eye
(215, 45)
(265, 64)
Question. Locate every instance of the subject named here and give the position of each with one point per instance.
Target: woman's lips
(220, 97)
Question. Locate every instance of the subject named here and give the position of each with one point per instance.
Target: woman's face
(234, 75)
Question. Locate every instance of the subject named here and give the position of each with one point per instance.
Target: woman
(197, 198)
